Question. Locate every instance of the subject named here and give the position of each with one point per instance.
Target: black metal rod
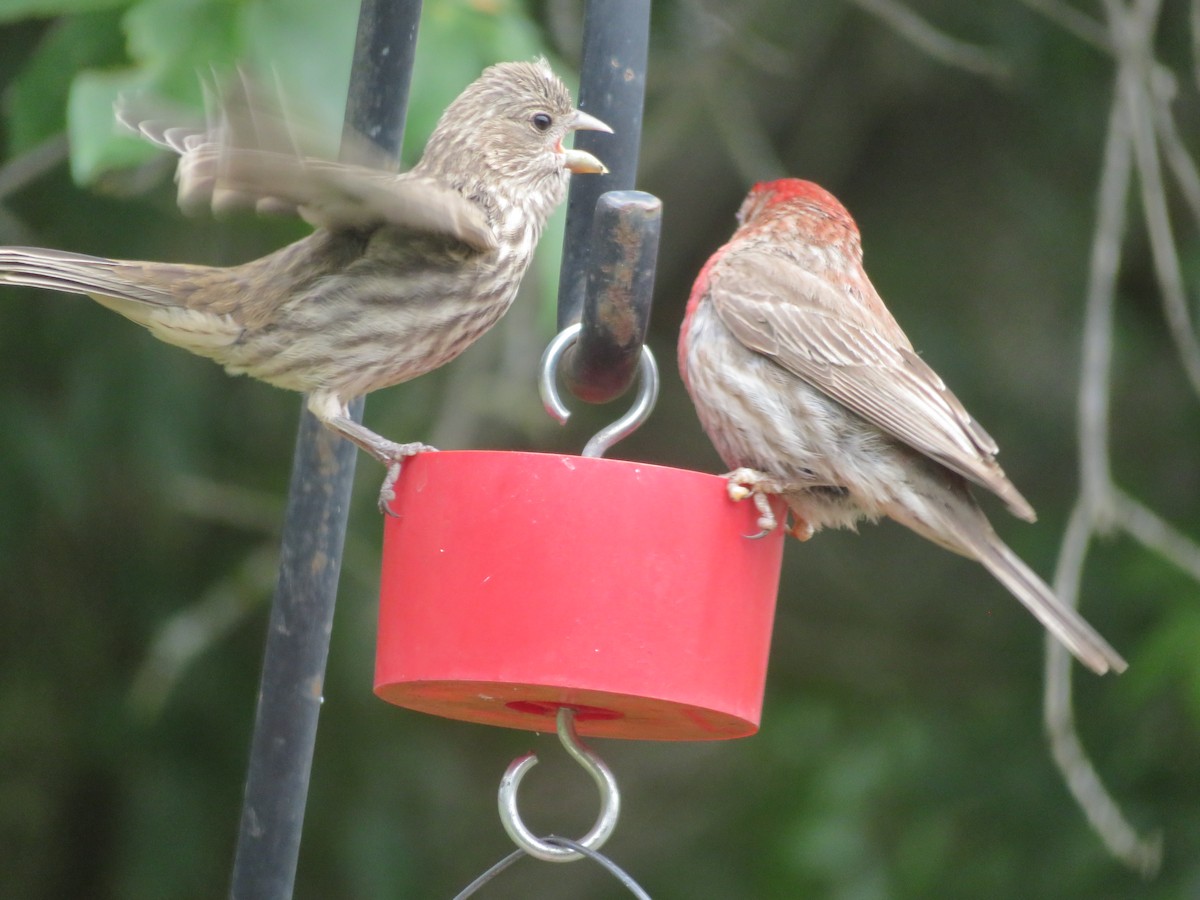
(293, 673)
(620, 285)
(297, 644)
(381, 74)
(612, 84)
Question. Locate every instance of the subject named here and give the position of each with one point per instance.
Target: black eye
(541, 121)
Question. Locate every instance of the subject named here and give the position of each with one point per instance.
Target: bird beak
(583, 122)
(580, 160)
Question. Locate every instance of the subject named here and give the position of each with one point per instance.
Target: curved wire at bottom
(566, 843)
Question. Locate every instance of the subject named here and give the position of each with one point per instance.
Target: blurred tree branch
(20, 170)
(936, 43)
(1080, 24)
(1093, 508)
(1141, 125)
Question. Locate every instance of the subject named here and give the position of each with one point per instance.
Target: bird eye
(541, 121)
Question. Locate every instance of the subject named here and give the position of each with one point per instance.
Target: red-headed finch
(809, 389)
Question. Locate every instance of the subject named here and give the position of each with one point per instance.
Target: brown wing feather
(867, 372)
(251, 154)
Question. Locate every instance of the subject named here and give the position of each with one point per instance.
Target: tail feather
(77, 273)
(158, 296)
(954, 520)
(1067, 625)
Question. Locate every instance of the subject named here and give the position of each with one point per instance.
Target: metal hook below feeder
(610, 797)
(605, 438)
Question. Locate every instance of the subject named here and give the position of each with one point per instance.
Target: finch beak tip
(585, 122)
(580, 160)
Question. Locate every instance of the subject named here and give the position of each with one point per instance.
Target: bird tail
(157, 296)
(1067, 625)
(956, 522)
(102, 279)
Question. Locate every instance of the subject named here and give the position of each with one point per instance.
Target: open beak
(580, 160)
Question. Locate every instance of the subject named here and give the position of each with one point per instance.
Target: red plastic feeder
(516, 583)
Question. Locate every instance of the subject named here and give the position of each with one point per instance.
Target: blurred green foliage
(901, 752)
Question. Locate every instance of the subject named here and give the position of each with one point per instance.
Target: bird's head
(792, 196)
(507, 128)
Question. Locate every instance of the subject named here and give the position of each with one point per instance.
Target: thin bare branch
(1155, 533)
(1083, 26)
(1146, 12)
(233, 505)
(743, 134)
(1179, 160)
(936, 43)
(1194, 24)
(1144, 855)
(1096, 367)
(14, 230)
(20, 170)
(1094, 510)
(195, 629)
(1139, 108)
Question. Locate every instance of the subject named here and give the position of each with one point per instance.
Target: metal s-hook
(602, 440)
(610, 797)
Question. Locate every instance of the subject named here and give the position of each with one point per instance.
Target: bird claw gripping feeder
(595, 596)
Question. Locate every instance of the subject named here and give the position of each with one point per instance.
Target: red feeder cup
(516, 583)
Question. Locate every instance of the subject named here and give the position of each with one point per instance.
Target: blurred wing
(774, 307)
(250, 154)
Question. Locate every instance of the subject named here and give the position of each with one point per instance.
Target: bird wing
(250, 154)
(774, 307)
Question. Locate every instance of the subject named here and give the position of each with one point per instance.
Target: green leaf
(306, 46)
(175, 41)
(15, 10)
(173, 44)
(97, 142)
(36, 100)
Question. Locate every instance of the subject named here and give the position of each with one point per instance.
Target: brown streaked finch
(809, 390)
(402, 273)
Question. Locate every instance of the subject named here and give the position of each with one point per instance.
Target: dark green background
(901, 752)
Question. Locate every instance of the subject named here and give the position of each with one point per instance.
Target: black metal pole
(297, 644)
(612, 231)
(380, 76)
(612, 85)
(620, 287)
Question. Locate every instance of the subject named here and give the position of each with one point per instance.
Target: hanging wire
(491, 873)
(605, 438)
(616, 871)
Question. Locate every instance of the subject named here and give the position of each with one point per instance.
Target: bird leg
(742, 483)
(387, 490)
(387, 452)
(333, 415)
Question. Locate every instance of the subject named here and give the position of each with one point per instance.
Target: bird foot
(750, 483)
(801, 529)
(746, 483)
(393, 456)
